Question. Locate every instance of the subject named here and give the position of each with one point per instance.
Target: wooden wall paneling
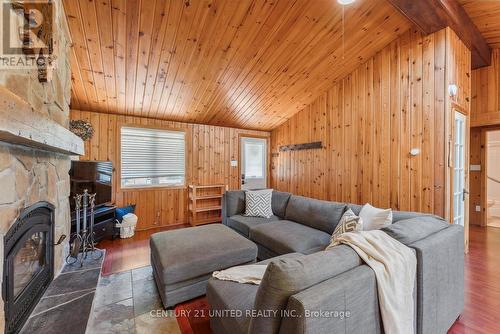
(485, 104)
(477, 178)
(395, 107)
(440, 142)
(428, 124)
(416, 85)
(385, 128)
(405, 139)
(458, 71)
(360, 130)
(367, 187)
(347, 138)
(394, 102)
(209, 150)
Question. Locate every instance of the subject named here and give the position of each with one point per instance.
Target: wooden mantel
(20, 124)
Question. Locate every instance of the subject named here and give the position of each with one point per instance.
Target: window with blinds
(151, 157)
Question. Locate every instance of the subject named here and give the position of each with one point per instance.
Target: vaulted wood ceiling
(242, 63)
(486, 16)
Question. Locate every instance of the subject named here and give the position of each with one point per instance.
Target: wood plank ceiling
(245, 63)
(486, 16)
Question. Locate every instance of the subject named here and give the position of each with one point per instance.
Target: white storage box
(127, 227)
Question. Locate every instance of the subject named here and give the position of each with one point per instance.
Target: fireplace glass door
(29, 261)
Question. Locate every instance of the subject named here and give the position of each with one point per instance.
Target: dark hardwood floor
(482, 274)
(482, 283)
(126, 254)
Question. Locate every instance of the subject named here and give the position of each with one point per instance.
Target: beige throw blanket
(395, 267)
(251, 274)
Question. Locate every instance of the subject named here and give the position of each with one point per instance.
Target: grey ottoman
(183, 260)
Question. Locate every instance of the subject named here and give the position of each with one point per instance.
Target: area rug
(193, 316)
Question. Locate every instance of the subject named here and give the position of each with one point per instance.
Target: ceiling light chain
(343, 3)
(343, 33)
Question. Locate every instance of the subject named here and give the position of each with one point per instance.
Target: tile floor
(66, 305)
(128, 302)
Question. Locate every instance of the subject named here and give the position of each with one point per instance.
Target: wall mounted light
(414, 152)
(453, 90)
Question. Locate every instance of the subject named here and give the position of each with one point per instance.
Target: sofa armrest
(223, 210)
(440, 279)
(233, 203)
(347, 303)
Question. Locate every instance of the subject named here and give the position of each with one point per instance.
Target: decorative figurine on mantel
(82, 241)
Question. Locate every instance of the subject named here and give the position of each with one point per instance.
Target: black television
(95, 176)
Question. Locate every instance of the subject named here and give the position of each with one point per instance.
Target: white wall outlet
(234, 163)
(478, 208)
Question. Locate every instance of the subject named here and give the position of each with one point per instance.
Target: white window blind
(151, 157)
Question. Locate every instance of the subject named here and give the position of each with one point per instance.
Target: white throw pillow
(348, 223)
(258, 203)
(375, 218)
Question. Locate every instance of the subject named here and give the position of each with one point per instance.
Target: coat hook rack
(300, 147)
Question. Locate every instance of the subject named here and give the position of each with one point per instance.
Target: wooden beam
(433, 15)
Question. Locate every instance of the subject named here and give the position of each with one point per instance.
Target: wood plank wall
(485, 107)
(368, 123)
(477, 178)
(209, 152)
(458, 72)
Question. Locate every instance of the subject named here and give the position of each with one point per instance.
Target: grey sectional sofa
(314, 291)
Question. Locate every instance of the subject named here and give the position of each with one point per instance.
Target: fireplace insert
(28, 263)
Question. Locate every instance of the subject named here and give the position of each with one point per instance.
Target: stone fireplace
(28, 263)
(35, 153)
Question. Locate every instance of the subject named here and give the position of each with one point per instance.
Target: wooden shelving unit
(205, 204)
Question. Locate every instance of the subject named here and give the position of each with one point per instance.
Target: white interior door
(253, 163)
(459, 171)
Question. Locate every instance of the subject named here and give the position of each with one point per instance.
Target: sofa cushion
(286, 277)
(410, 230)
(231, 296)
(279, 203)
(242, 224)
(234, 202)
(396, 215)
(285, 236)
(321, 215)
(403, 215)
(356, 208)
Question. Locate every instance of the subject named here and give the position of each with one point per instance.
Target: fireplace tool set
(83, 239)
